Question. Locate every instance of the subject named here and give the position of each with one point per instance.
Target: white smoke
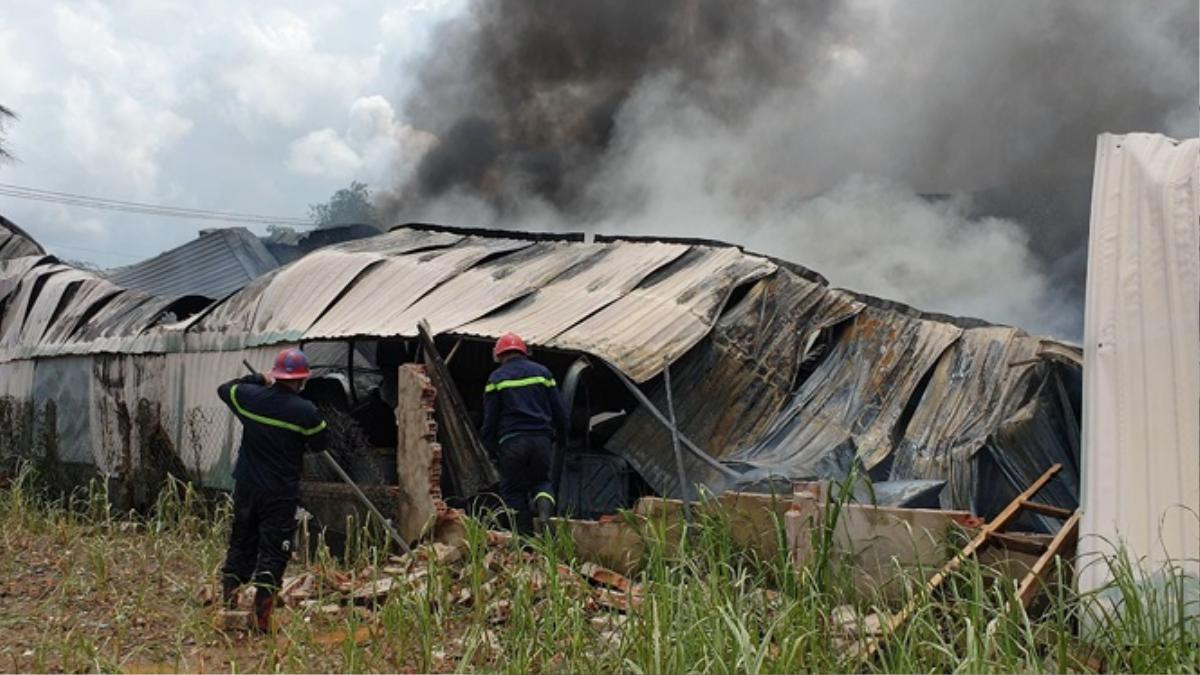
(936, 153)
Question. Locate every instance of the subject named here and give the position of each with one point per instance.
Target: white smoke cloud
(679, 171)
(374, 147)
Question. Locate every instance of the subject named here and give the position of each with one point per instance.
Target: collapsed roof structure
(775, 375)
(215, 264)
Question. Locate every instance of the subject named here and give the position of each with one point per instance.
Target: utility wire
(71, 199)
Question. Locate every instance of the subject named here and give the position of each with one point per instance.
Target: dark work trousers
(260, 543)
(524, 471)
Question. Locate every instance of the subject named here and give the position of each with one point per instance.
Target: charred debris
(776, 377)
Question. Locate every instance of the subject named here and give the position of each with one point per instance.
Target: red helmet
(509, 342)
(291, 364)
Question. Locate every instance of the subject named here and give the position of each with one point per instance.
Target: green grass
(120, 595)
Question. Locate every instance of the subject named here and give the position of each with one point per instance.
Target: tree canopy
(348, 206)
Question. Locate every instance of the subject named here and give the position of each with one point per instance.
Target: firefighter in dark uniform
(522, 416)
(278, 425)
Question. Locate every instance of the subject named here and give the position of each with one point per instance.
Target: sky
(261, 107)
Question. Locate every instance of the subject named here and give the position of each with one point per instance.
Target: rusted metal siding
(850, 405)
(577, 293)
(667, 314)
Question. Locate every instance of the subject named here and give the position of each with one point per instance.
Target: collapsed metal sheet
(671, 311)
(729, 387)
(471, 470)
(215, 264)
(113, 317)
(13, 270)
(1044, 430)
(489, 286)
(227, 324)
(21, 303)
(850, 405)
(577, 293)
(979, 382)
(373, 305)
(55, 293)
(93, 294)
(124, 332)
(16, 247)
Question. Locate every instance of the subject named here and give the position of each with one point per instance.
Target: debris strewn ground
(84, 590)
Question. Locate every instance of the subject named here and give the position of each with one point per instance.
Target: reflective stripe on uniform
(545, 495)
(523, 382)
(269, 421)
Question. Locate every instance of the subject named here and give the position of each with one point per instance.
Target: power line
(71, 199)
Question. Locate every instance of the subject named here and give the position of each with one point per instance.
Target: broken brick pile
(333, 592)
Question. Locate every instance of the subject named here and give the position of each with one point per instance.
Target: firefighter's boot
(543, 506)
(264, 604)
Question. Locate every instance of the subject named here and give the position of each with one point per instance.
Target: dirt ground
(126, 600)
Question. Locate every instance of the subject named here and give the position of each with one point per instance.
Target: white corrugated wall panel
(1141, 409)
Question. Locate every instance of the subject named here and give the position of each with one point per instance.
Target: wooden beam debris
(868, 647)
(471, 470)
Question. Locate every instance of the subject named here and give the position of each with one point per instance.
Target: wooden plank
(1028, 589)
(869, 647)
(471, 470)
(1021, 544)
(1048, 510)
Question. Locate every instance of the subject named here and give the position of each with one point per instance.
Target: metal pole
(683, 485)
(367, 502)
(387, 526)
(687, 443)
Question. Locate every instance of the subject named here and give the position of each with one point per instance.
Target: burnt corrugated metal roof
(372, 306)
(850, 405)
(668, 313)
(14, 269)
(214, 265)
(491, 285)
(287, 301)
(577, 293)
(633, 303)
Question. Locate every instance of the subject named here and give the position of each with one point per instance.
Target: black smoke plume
(808, 128)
